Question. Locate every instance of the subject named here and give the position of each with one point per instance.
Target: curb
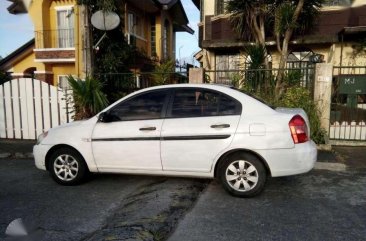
(324, 147)
(337, 167)
(16, 155)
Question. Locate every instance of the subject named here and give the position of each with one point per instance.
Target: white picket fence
(29, 107)
(348, 131)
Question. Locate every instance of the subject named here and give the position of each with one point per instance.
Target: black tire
(254, 180)
(68, 176)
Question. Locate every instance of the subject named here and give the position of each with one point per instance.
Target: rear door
(200, 123)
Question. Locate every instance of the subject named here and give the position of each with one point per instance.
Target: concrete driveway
(321, 205)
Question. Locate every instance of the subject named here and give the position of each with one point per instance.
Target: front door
(65, 28)
(131, 139)
(200, 124)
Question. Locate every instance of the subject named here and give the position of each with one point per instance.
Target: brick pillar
(196, 75)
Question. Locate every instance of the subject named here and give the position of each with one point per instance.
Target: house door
(65, 28)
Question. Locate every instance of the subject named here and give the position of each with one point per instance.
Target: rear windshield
(255, 97)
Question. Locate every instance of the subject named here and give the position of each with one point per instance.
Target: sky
(16, 30)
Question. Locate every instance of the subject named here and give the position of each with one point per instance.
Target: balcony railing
(60, 38)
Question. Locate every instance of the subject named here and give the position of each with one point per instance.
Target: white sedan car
(189, 130)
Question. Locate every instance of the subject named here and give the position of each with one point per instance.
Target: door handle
(152, 128)
(220, 126)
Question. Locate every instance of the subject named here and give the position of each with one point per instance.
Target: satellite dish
(105, 20)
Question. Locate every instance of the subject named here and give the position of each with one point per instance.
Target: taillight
(299, 130)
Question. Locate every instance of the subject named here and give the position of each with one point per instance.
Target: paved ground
(94, 210)
(64, 213)
(354, 157)
(321, 205)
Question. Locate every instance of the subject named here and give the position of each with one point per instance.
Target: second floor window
(337, 3)
(135, 25)
(220, 7)
(65, 28)
(166, 40)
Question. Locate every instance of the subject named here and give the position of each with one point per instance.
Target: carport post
(323, 93)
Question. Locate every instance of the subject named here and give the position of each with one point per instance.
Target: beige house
(335, 38)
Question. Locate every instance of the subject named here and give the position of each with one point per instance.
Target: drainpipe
(342, 43)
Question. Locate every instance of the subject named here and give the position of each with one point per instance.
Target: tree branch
(257, 31)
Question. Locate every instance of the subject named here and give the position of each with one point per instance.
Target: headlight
(41, 137)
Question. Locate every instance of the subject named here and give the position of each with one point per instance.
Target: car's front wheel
(242, 175)
(67, 166)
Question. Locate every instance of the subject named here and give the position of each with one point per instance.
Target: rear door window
(194, 102)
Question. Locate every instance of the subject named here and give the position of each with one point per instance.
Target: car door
(200, 123)
(130, 139)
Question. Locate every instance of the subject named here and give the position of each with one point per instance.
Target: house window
(299, 60)
(135, 25)
(337, 3)
(63, 83)
(220, 6)
(153, 36)
(166, 40)
(65, 28)
(227, 65)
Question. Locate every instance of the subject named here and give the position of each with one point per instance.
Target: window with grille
(63, 83)
(135, 25)
(337, 3)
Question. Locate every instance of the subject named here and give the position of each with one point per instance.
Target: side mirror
(108, 116)
(104, 117)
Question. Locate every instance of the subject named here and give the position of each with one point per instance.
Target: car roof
(209, 86)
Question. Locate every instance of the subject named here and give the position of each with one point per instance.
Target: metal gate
(348, 106)
(29, 107)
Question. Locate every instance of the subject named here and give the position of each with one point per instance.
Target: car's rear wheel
(67, 166)
(242, 175)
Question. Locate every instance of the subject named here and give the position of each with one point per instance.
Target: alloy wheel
(241, 175)
(66, 167)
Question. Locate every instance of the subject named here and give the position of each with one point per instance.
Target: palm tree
(253, 19)
(88, 97)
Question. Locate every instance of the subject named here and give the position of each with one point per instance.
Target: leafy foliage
(283, 18)
(89, 98)
(106, 5)
(294, 96)
(257, 19)
(256, 55)
(113, 54)
(163, 72)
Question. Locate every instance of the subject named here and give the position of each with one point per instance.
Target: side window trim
(163, 112)
(170, 105)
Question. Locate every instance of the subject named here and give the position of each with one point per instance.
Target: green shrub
(89, 98)
(293, 96)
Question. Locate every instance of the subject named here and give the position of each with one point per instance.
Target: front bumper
(39, 153)
(286, 162)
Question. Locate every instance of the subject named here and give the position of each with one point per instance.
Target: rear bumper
(286, 162)
(39, 153)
